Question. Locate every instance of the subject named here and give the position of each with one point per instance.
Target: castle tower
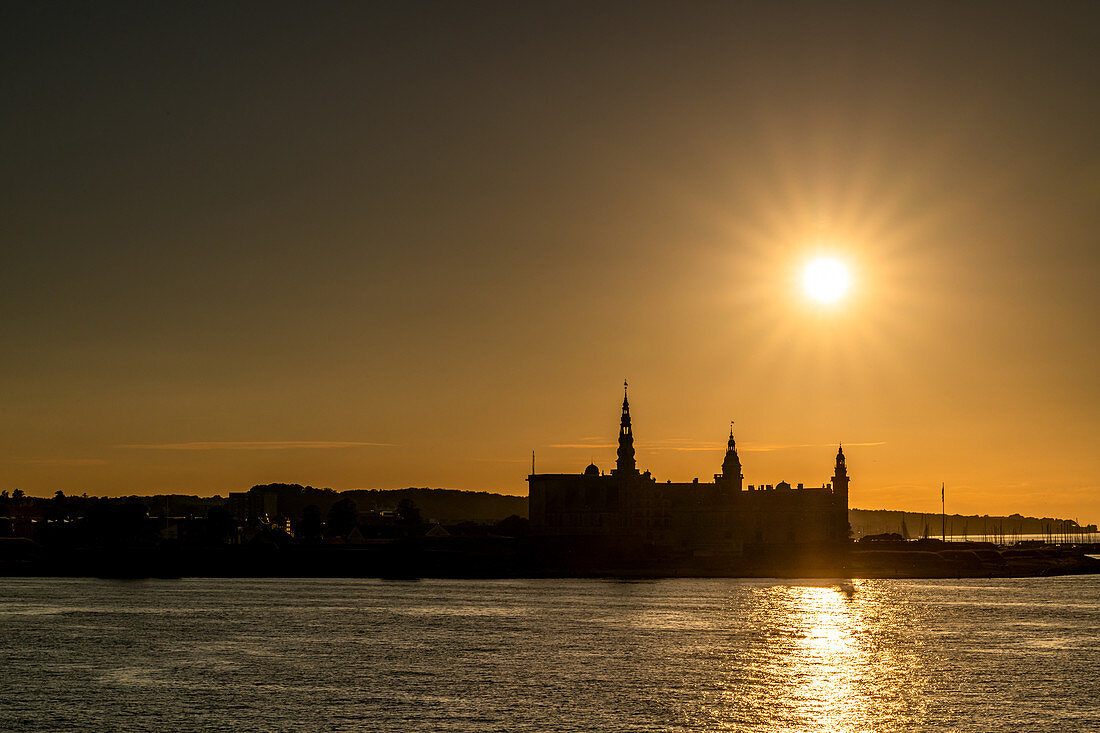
(731, 466)
(625, 462)
(840, 478)
(840, 495)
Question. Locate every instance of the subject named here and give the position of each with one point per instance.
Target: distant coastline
(291, 530)
(486, 507)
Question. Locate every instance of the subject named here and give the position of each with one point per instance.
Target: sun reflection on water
(812, 657)
(817, 657)
(827, 657)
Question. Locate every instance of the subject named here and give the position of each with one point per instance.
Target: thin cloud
(676, 444)
(585, 442)
(681, 444)
(689, 445)
(765, 448)
(65, 461)
(259, 445)
(583, 445)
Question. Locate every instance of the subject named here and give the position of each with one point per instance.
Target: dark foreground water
(568, 655)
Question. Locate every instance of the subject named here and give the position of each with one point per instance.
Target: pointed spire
(841, 471)
(731, 465)
(625, 462)
(626, 411)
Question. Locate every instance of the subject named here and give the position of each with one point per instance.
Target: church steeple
(625, 462)
(731, 466)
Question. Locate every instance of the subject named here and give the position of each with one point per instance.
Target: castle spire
(840, 495)
(625, 462)
(731, 466)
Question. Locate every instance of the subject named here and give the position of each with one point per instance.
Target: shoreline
(510, 558)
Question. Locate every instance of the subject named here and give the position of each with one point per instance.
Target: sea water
(549, 655)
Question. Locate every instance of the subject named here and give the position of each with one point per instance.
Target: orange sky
(376, 246)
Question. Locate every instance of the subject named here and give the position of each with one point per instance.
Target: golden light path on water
(823, 665)
(828, 655)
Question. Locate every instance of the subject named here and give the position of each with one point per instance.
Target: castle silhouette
(628, 514)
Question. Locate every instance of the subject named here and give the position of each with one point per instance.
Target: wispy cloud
(64, 461)
(687, 444)
(681, 444)
(259, 445)
(583, 445)
(764, 448)
(676, 444)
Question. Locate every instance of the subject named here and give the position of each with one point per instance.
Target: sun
(826, 279)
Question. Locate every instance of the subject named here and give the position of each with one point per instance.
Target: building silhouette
(628, 514)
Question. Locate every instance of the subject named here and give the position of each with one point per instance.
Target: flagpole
(943, 512)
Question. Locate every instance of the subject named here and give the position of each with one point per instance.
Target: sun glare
(825, 279)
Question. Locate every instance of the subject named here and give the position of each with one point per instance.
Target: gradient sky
(375, 245)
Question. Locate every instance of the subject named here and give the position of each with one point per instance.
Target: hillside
(447, 506)
(879, 521)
